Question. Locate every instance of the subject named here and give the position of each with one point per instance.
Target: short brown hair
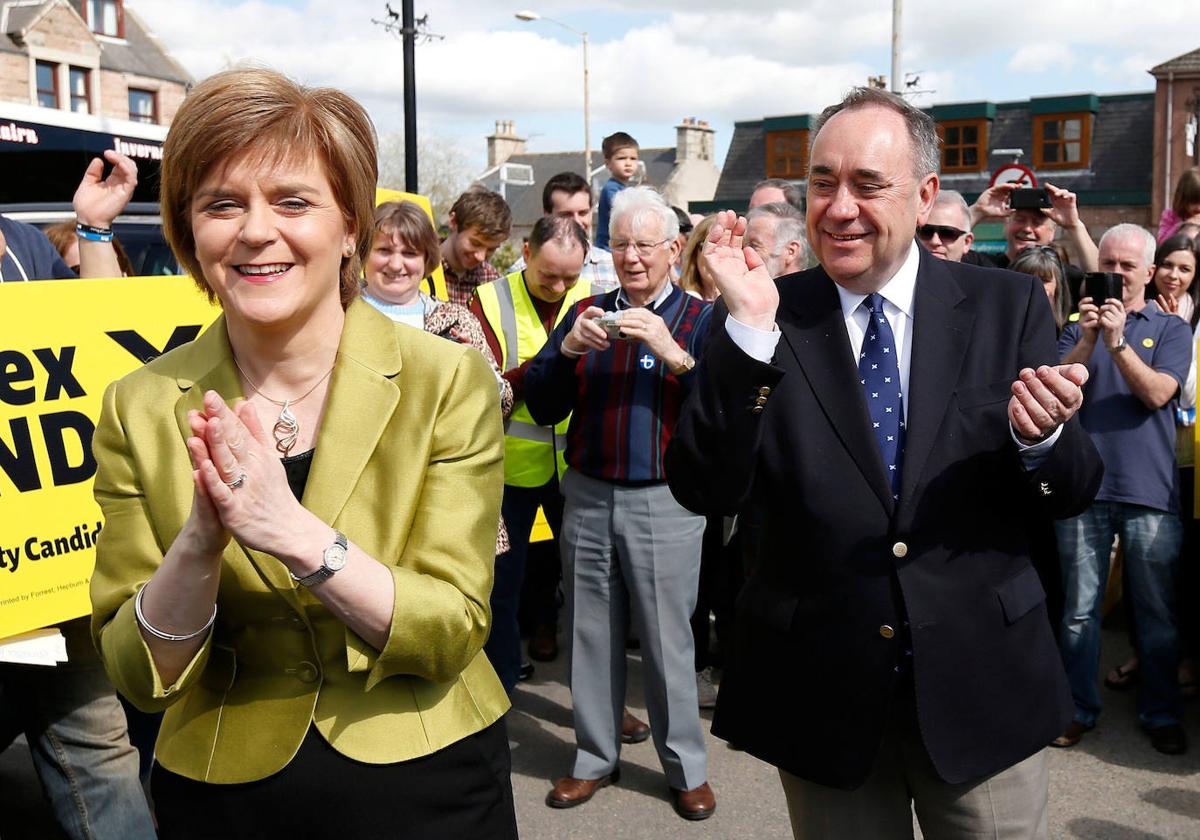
(1187, 192)
(484, 210)
(616, 141)
(560, 229)
(409, 221)
(263, 113)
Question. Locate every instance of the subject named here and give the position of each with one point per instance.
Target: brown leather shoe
(633, 731)
(695, 804)
(569, 791)
(1073, 735)
(543, 643)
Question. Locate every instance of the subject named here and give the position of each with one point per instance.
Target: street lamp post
(528, 16)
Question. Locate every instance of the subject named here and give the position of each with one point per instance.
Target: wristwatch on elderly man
(685, 364)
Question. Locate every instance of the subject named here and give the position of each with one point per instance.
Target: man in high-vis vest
(517, 313)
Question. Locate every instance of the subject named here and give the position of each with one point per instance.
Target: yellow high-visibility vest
(532, 453)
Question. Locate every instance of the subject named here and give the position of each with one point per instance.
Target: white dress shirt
(898, 294)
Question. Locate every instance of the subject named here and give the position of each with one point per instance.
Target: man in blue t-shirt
(1137, 357)
(26, 254)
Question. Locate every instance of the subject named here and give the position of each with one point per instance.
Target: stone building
(78, 77)
(88, 57)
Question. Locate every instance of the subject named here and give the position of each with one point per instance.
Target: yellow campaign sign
(63, 342)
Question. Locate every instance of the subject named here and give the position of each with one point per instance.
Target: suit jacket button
(760, 401)
(886, 631)
(900, 550)
(764, 391)
(305, 672)
(756, 409)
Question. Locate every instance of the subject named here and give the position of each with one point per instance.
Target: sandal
(1122, 678)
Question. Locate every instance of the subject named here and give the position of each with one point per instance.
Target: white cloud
(1041, 58)
(655, 61)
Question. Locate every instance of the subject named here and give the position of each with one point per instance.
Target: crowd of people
(826, 432)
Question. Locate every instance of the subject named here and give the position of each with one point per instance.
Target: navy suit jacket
(841, 566)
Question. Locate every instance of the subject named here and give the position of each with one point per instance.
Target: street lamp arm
(529, 16)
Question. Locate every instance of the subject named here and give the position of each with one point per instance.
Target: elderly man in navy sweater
(628, 546)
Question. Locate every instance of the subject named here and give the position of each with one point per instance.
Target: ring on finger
(237, 482)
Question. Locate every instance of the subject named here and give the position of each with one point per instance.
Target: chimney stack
(693, 140)
(504, 143)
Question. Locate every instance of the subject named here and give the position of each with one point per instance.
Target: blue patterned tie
(879, 373)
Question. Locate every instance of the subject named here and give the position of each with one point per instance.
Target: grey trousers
(1008, 805)
(623, 549)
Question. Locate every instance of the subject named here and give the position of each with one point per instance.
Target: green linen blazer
(409, 465)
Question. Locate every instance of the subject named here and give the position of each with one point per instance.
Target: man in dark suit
(893, 420)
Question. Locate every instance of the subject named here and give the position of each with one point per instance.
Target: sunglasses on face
(947, 234)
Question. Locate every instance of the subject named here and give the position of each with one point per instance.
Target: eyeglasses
(947, 234)
(1049, 251)
(644, 249)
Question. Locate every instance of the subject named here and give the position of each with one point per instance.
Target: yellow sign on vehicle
(64, 341)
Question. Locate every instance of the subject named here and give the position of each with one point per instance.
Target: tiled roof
(17, 17)
(1186, 63)
(745, 163)
(1121, 152)
(141, 54)
(20, 15)
(1121, 149)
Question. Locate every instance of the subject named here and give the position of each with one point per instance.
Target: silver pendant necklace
(287, 428)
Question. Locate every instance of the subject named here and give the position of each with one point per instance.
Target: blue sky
(654, 63)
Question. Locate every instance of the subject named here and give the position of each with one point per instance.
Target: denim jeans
(519, 507)
(1150, 540)
(79, 742)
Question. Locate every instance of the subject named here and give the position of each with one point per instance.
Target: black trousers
(462, 791)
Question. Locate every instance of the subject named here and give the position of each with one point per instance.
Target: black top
(297, 467)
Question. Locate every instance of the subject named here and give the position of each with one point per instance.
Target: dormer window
(105, 17)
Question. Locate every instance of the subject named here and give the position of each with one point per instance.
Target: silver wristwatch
(332, 561)
(1119, 346)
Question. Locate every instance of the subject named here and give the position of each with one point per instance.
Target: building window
(964, 145)
(105, 17)
(1062, 141)
(141, 106)
(80, 86)
(47, 84)
(787, 153)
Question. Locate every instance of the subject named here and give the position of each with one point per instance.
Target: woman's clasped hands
(240, 486)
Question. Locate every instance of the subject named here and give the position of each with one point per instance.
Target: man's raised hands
(740, 274)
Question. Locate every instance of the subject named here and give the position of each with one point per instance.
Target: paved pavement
(1113, 786)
